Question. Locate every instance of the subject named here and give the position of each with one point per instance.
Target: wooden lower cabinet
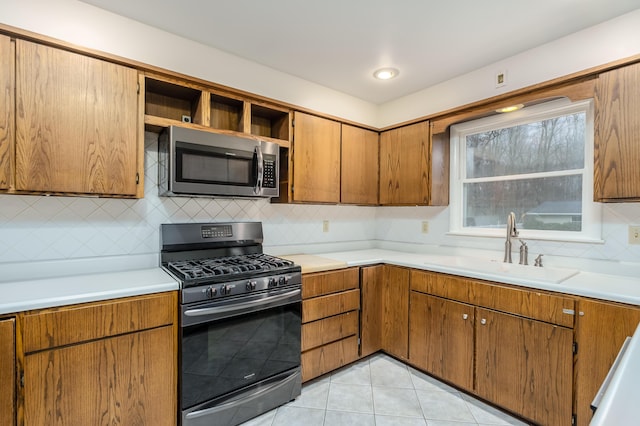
(395, 311)
(370, 309)
(7, 372)
(525, 366)
(441, 336)
(102, 363)
(601, 329)
(330, 305)
(120, 380)
(508, 345)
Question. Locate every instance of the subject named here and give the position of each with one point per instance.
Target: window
(537, 163)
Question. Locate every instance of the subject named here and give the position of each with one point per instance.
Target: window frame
(591, 211)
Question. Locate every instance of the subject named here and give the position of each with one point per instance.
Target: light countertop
(624, 289)
(18, 296)
(58, 290)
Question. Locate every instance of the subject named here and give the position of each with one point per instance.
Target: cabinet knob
(465, 316)
(483, 321)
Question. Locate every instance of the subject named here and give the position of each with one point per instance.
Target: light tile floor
(382, 391)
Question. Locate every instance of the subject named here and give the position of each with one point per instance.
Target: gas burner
(204, 269)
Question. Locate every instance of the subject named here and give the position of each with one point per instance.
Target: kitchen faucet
(512, 232)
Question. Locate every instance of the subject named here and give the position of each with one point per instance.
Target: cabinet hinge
(574, 420)
(293, 122)
(138, 88)
(137, 178)
(21, 380)
(575, 348)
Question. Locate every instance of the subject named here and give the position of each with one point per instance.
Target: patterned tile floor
(381, 391)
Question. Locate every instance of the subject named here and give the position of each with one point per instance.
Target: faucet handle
(538, 261)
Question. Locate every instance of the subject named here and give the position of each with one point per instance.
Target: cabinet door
(617, 135)
(404, 165)
(76, 123)
(525, 366)
(7, 372)
(126, 380)
(371, 310)
(316, 159)
(441, 336)
(395, 311)
(601, 330)
(359, 166)
(7, 109)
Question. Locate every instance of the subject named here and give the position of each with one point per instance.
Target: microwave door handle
(258, 188)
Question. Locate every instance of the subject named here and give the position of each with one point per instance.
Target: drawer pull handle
(465, 316)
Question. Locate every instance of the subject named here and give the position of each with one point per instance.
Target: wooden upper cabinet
(404, 165)
(7, 108)
(617, 135)
(359, 166)
(316, 159)
(76, 124)
(7, 372)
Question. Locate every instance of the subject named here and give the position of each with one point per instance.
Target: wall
(41, 228)
(88, 26)
(403, 224)
(37, 228)
(612, 40)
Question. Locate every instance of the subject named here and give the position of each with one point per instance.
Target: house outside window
(536, 162)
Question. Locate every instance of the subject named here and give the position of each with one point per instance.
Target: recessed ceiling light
(510, 108)
(386, 73)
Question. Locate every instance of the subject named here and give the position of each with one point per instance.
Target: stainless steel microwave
(195, 162)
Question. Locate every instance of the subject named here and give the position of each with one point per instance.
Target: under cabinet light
(510, 108)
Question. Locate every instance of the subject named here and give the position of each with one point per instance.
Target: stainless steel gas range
(240, 322)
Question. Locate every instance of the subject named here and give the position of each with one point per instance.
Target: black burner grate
(224, 266)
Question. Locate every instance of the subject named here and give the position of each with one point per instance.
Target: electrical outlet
(325, 226)
(425, 227)
(501, 78)
(634, 234)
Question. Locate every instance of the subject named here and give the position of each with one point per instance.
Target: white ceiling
(339, 43)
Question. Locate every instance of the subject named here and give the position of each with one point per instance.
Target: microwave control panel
(269, 177)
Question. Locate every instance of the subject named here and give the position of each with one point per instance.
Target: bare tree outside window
(535, 167)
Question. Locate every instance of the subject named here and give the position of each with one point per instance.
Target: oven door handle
(243, 306)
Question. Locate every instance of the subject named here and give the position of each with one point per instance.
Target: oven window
(203, 168)
(226, 355)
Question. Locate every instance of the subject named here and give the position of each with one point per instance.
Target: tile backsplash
(36, 228)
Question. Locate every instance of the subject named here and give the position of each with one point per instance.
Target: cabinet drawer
(319, 361)
(328, 330)
(333, 304)
(63, 326)
(532, 304)
(447, 286)
(330, 282)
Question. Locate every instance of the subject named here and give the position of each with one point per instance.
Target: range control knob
(210, 292)
(225, 289)
(283, 280)
(272, 282)
(251, 285)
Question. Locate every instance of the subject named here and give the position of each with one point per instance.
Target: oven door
(240, 357)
